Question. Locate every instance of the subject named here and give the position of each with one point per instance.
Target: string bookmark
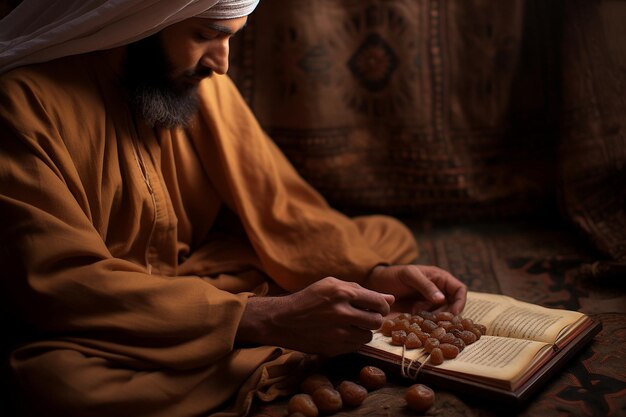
(406, 365)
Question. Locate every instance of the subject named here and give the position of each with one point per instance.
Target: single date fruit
(302, 403)
(328, 400)
(419, 398)
(372, 378)
(352, 394)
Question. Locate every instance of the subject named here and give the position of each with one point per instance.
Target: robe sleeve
(58, 273)
(297, 236)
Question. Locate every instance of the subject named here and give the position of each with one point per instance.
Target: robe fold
(128, 253)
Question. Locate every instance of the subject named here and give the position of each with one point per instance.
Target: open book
(524, 345)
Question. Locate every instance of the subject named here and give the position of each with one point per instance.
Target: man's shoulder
(50, 96)
(54, 90)
(44, 70)
(51, 78)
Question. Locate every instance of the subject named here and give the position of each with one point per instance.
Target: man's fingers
(389, 298)
(372, 301)
(458, 303)
(456, 290)
(416, 279)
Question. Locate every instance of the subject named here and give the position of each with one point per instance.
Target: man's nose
(217, 57)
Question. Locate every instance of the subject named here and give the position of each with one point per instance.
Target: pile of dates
(442, 334)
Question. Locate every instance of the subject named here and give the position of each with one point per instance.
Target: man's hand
(330, 317)
(418, 287)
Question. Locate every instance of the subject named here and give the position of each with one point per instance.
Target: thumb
(437, 296)
(418, 280)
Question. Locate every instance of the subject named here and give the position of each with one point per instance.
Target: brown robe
(129, 253)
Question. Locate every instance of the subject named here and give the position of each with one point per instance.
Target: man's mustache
(200, 72)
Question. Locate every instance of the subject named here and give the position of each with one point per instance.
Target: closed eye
(209, 36)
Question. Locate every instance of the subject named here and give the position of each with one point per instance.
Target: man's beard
(160, 100)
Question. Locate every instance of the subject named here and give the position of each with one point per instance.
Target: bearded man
(160, 255)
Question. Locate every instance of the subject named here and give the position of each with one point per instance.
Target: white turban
(42, 30)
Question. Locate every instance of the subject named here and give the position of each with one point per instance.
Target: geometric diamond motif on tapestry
(373, 63)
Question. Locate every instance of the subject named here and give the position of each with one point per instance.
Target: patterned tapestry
(446, 110)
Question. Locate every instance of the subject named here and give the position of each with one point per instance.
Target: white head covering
(42, 30)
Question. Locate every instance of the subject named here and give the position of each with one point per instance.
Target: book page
(497, 358)
(504, 316)
(491, 358)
